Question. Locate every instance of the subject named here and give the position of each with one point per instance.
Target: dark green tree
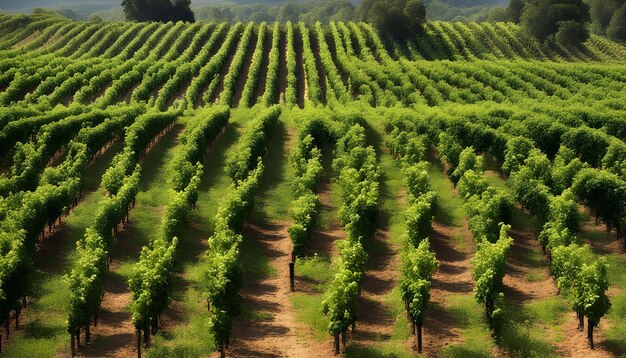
(158, 10)
(543, 19)
(182, 11)
(514, 10)
(571, 33)
(617, 26)
(289, 12)
(602, 12)
(497, 14)
(398, 18)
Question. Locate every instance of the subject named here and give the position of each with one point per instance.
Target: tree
(468, 160)
(488, 272)
(398, 18)
(289, 12)
(182, 11)
(604, 193)
(542, 18)
(158, 10)
(517, 150)
(571, 33)
(602, 11)
(418, 267)
(617, 26)
(514, 10)
(497, 14)
(590, 297)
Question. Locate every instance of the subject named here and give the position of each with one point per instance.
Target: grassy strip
(474, 332)
(449, 209)
(317, 271)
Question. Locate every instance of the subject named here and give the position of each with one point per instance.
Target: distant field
(158, 180)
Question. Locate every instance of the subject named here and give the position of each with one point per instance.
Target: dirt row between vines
(242, 79)
(277, 334)
(303, 93)
(453, 278)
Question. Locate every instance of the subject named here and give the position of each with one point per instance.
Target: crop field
(288, 190)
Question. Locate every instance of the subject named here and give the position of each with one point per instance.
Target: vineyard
(192, 190)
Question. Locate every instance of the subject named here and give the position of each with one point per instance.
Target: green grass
(308, 310)
(522, 335)
(475, 333)
(382, 350)
(316, 270)
(401, 331)
(551, 311)
(616, 334)
(449, 207)
(536, 275)
(392, 210)
(275, 194)
(43, 332)
(251, 314)
(459, 242)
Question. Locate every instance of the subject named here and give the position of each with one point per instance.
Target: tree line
(158, 10)
(568, 22)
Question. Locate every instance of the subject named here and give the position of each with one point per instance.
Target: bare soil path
(327, 230)
(375, 321)
(445, 330)
(271, 329)
(453, 278)
(268, 326)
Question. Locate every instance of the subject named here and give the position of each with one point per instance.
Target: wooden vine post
(419, 337)
(292, 276)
